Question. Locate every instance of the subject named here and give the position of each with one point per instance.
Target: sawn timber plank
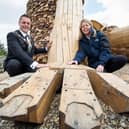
(79, 107)
(62, 66)
(3, 76)
(111, 89)
(31, 101)
(8, 85)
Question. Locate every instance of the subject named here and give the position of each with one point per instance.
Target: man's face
(25, 24)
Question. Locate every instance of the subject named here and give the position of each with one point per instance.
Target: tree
(2, 49)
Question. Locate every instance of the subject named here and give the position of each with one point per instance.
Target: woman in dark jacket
(95, 46)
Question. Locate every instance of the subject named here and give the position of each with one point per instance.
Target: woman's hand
(100, 68)
(73, 62)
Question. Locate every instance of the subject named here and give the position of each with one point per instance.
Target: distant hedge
(2, 50)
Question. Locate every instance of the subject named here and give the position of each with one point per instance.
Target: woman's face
(85, 28)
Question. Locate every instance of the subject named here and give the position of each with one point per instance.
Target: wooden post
(65, 34)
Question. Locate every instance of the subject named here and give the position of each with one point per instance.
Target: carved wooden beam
(111, 89)
(79, 107)
(30, 102)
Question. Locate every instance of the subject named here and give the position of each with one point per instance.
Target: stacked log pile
(42, 13)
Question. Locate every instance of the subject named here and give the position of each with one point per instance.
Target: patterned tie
(28, 40)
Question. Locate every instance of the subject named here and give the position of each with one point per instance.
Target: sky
(107, 12)
(10, 11)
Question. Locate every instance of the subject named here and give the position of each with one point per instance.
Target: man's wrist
(46, 48)
(34, 64)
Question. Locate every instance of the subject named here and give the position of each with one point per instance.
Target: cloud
(6, 28)
(116, 12)
(10, 10)
(13, 3)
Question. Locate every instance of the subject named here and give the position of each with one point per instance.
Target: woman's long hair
(81, 34)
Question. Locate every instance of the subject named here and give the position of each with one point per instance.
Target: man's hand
(100, 68)
(42, 65)
(48, 46)
(73, 62)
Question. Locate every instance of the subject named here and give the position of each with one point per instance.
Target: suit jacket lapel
(30, 38)
(19, 34)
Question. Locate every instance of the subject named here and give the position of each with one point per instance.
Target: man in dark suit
(21, 49)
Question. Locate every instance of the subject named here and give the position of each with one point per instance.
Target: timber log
(118, 37)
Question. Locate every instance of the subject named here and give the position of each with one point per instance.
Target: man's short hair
(24, 15)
